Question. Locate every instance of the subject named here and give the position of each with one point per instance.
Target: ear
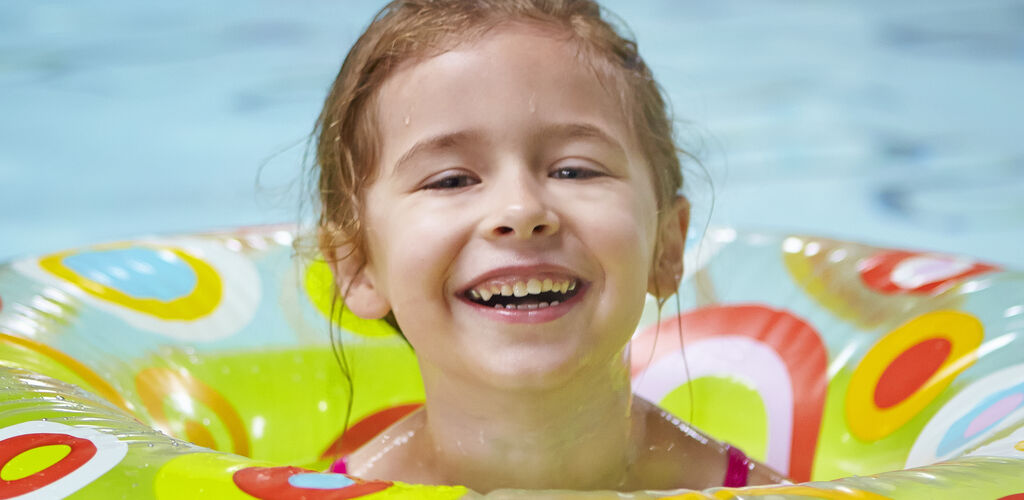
(667, 269)
(355, 281)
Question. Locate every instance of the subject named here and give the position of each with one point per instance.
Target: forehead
(511, 79)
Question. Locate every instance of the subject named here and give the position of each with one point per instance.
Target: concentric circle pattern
(31, 468)
(897, 271)
(859, 368)
(980, 410)
(907, 369)
(187, 289)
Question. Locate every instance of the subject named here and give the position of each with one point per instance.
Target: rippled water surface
(896, 123)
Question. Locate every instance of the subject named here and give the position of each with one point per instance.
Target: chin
(534, 368)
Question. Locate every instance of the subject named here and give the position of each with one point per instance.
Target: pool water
(891, 123)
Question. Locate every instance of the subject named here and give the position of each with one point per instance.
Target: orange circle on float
(888, 387)
(154, 384)
(95, 381)
(82, 450)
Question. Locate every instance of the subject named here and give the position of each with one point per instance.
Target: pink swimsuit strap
(737, 469)
(339, 466)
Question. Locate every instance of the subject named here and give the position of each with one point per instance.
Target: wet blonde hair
(347, 137)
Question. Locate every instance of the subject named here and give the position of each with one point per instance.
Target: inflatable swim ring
(195, 366)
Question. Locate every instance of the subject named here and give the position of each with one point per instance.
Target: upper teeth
(522, 288)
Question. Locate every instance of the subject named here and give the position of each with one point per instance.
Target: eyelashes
(451, 181)
(575, 172)
(460, 179)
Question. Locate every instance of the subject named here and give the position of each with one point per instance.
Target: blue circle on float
(130, 271)
(320, 481)
(957, 436)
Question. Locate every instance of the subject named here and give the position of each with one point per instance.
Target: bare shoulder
(392, 454)
(679, 455)
(763, 474)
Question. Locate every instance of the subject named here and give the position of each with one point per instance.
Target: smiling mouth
(523, 295)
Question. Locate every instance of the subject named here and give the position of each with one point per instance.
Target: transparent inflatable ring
(195, 366)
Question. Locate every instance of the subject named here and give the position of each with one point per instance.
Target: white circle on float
(752, 362)
(924, 450)
(920, 270)
(109, 452)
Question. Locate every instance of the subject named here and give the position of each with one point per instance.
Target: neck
(574, 435)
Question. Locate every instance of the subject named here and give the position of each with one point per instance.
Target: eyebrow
(580, 130)
(559, 131)
(577, 130)
(435, 144)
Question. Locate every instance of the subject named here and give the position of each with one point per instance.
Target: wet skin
(503, 161)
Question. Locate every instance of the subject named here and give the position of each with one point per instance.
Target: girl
(500, 176)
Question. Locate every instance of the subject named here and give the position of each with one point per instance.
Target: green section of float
(723, 406)
(33, 461)
(311, 382)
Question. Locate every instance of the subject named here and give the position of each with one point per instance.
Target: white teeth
(519, 289)
(526, 307)
(533, 286)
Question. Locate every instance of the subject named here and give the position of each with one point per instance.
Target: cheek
(622, 235)
(417, 253)
(628, 232)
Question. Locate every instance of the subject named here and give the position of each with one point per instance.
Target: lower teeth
(524, 307)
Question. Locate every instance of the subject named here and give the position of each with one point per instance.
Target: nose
(520, 213)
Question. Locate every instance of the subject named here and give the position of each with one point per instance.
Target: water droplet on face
(533, 104)
(407, 120)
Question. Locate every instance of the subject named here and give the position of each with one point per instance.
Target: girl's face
(506, 165)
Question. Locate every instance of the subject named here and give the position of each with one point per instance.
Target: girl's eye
(575, 173)
(453, 181)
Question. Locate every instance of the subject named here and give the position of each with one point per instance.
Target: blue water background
(896, 123)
